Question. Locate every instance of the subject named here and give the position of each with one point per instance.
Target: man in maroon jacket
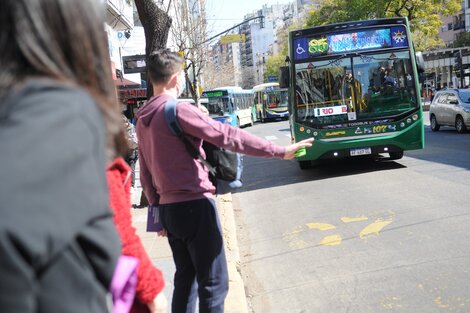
(180, 185)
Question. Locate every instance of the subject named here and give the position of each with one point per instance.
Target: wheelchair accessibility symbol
(300, 49)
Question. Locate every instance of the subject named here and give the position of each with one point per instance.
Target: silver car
(450, 107)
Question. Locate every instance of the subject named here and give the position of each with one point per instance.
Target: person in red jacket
(150, 282)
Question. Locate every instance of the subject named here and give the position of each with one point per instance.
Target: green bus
(354, 87)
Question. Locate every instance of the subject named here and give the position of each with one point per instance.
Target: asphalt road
(357, 236)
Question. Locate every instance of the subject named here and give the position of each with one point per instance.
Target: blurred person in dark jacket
(59, 127)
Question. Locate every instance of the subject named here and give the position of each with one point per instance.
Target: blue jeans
(195, 238)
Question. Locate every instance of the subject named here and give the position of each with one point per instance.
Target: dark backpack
(221, 163)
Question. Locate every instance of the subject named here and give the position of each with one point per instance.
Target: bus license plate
(361, 151)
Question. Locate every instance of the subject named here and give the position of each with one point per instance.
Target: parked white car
(450, 107)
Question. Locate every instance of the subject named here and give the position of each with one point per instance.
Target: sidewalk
(160, 252)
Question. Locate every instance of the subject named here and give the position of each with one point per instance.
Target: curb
(236, 298)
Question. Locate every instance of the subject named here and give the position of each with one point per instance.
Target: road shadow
(446, 146)
(261, 173)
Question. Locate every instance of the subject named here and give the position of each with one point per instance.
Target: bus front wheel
(395, 155)
(305, 164)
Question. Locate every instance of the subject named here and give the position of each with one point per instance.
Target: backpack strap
(172, 122)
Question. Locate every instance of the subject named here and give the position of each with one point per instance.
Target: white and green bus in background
(271, 102)
(231, 105)
(354, 87)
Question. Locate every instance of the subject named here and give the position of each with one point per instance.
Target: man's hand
(291, 149)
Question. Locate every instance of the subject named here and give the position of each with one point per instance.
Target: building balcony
(119, 14)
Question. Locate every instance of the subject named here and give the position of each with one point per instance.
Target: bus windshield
(277, 99)
(219, 106)
(355, 88)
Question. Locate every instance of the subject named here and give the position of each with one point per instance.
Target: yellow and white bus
(271, 102)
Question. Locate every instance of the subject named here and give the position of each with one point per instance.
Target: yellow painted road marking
(374, 228)
(320, 226)
(331, 240)
(391, 303)
(354, 219)
(292, 238)
(440, 303)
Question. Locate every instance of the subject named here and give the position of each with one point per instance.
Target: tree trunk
(156, 23)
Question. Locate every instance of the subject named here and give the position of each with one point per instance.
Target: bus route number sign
(212, 94)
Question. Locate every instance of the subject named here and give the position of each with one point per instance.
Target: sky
(223, 14)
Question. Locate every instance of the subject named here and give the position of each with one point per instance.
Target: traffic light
(457, 60)
(261, 18)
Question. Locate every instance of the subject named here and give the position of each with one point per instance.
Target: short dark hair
(162, 64)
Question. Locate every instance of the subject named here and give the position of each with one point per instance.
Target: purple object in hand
(124, 283)
(153, 219)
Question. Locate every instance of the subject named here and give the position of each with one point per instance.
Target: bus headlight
(408, 120)
(402, 124)
(415, 117)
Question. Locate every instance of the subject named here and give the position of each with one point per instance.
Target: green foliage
(463, 40)
(423, 15)
(273, 64)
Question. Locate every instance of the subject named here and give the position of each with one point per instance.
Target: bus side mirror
(284, 77)
(420, 66)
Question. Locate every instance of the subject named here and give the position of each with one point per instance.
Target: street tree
(156, 23)
(424, 15)
(463, 40)
(189, 32)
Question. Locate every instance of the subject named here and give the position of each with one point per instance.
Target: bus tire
(305, 165)
(434, 125)
(395, 155)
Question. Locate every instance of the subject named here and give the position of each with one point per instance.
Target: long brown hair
(64, 40)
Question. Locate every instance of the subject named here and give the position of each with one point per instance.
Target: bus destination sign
(358, 40)
(214, 94)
